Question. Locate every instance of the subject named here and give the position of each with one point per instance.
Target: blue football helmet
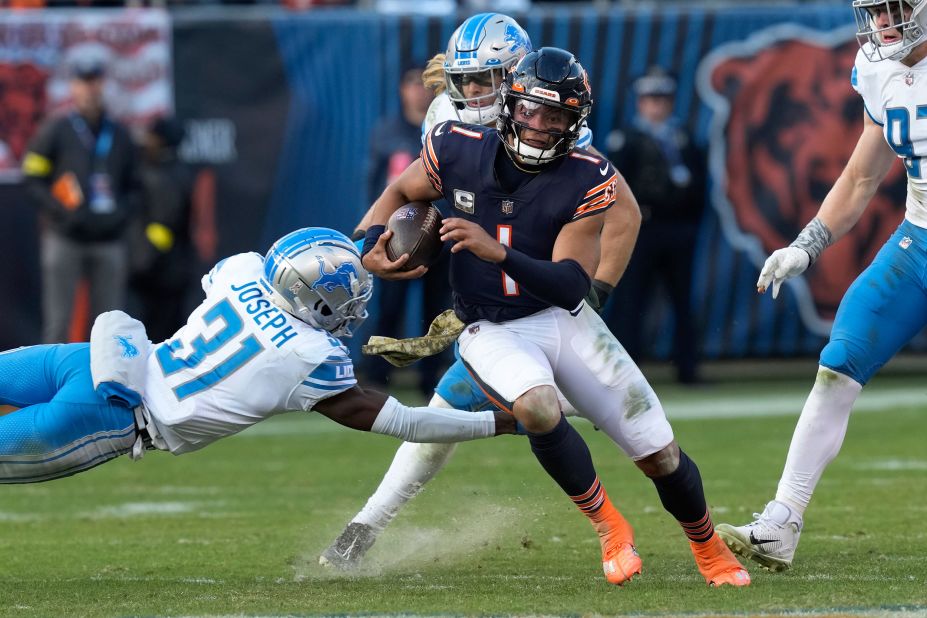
(482, 50)
(316, 275)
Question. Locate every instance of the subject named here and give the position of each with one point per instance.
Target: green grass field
(237, 528)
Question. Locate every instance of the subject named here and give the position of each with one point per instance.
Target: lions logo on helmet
(479, 53)
(316, 275)
(890, 29)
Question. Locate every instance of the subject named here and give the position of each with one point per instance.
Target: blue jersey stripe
(114, 434)
(868, 113)
(297, 242)
(329, 387)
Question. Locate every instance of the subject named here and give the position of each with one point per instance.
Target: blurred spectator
(80, 171)
(667, 174)
(163, 260)
(395, 143)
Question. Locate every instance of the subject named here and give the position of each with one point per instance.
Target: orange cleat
(620, 559)
(717, 564)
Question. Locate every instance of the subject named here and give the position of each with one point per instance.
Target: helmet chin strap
(527, 153)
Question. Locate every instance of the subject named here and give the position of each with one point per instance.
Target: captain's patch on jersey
(464, 201)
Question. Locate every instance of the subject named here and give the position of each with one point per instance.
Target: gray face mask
(890, 29)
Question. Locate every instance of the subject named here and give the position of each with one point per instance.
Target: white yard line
(790, 404)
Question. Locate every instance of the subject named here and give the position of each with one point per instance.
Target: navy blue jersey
(459, 160)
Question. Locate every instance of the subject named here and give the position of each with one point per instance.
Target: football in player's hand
(416, 231)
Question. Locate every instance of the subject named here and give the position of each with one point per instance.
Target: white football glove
(782, 264)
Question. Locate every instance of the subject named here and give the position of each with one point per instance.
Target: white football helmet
(482, 50)
(907, 17)
(316, 275)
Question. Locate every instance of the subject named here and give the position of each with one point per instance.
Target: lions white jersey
(239, 360)
(442, 109)
(895, 97)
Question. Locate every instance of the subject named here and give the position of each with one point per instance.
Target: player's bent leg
(598, 375)
(54, 440)
(458, 389)
(29, 375)
(679, 486)
(412, 467)
(564, 455)
(511, 363)
(71, 430)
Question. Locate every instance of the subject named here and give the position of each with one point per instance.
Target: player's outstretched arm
(842, 207)
(367, 410)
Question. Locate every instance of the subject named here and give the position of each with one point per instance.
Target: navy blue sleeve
(562, 283)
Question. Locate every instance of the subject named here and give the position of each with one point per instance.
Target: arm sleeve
(563, 284)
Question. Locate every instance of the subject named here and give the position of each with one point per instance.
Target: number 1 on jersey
(504, 236)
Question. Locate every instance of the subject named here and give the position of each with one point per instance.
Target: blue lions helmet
(481, 51)
(316, 275)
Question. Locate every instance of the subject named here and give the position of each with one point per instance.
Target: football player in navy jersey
(530, 208)
(467, 80)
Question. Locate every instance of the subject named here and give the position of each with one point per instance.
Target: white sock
(817, 437)
(414, 465)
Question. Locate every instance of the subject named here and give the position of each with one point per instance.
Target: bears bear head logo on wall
(786, 120)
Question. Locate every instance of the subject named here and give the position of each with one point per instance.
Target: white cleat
(770, 540)
(348, 550)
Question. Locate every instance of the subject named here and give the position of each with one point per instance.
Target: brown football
(415, 230)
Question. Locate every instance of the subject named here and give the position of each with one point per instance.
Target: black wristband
(358, 234)
(599, 293)
(371, 236)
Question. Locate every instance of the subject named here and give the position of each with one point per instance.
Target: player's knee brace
(848, 359)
